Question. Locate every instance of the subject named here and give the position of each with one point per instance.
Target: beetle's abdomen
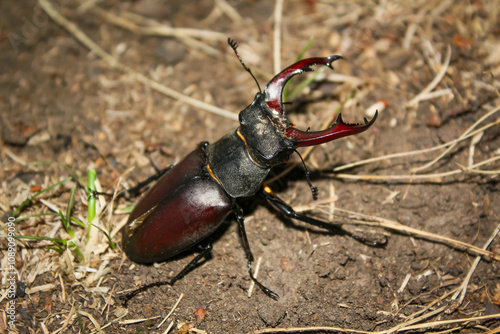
(234, 168)
(181, 220)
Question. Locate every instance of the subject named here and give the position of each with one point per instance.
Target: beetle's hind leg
(288, 211)
(241, 224)
(206, 249)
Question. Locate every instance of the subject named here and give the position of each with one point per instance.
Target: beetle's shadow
(296, 175)
(198, 248)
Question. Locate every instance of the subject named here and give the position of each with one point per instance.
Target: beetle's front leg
(241, 224)
(288, 211)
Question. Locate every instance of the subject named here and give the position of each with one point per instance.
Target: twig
(435, 177)
(190, 38)
(227, 9)
(463, 288)
(171, 311)
(278, 14)
(158, 29)
(447, 322)
(436, 93)
(169, 327)
(393, 225)
(467, 132)
(392, 330)
(430, 305)
(115, 64)
(429, 325)
(480, 171)
(311, 330)
(434, 82)
(256, 273)
(370, 220)
(416, 152)
(403, 326)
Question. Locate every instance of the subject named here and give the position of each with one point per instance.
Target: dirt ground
(64, 105)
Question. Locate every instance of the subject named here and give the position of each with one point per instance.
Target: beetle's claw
(232, 43)
(274, 89)
(371, 243)
(273, 295)
(338, 130)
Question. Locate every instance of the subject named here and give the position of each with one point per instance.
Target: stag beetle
(191, 200)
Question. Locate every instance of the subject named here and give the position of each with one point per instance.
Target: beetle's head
(269, 136)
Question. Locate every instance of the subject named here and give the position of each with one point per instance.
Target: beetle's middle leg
(241, 224)
(288, 211)
(206, 249)
(134, 191)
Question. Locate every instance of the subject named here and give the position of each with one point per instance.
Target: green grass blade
(110, 242)
(305, 83)
(34, 237)
(77, 221)
(66, 225)
(57, 249)
(70, 204)
(92, 177)
(74, 248)
(286, 90)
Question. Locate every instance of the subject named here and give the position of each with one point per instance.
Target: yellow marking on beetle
(248, 149)
(134, 225)
(213, 175)
(267, 189)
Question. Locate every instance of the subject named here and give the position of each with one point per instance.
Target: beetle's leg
(132, 192)
(288, 211)
(241, 224)
(207, 248)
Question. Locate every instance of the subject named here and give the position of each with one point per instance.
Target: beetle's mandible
(191, 200)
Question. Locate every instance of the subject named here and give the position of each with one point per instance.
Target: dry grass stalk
(433, 177)
(422, 95)
(256, 273)
(278, 15)
(467, 132)
(357, 218)
(397, 329)
(370, 220)
(430, 305)
(172, 310)
(114, 63)
(140, 25)
(139, 320)
(463, 288)
(227, 9)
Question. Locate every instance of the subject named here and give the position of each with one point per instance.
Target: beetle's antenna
(233, 46)
(314, 189)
